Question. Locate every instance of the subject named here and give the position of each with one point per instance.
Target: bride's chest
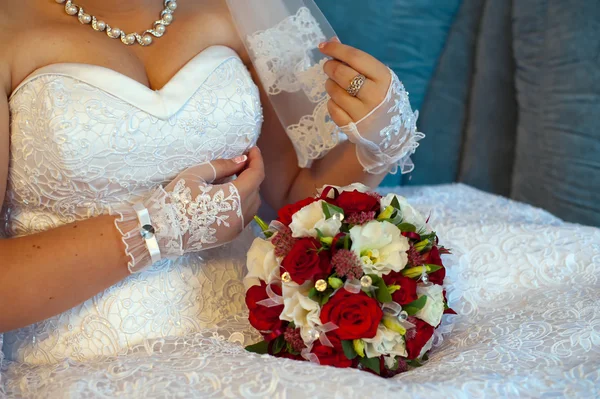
(87, 134)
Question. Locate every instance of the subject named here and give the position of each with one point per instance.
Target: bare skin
(47, 273)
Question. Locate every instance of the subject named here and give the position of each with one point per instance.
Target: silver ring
(356, 84)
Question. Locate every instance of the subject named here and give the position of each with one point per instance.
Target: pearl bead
(130, 38)
(85, 19)
(71, 10)
(321, 285)
(60, 1)
(167, 18)
(101, 25)
(147, 40)
(172, 5)
(366, 281)
(114, 33)
(160, 29)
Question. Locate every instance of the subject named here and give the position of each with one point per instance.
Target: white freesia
(361, 188)
(299, 308)
(307, 220)
(409, 214)
(385, 342)
(433, 310)
(261, 263)
(380, 246)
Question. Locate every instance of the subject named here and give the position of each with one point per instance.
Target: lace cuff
(163, 219)
(387, 137)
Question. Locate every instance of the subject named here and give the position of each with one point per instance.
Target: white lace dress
(526, 286)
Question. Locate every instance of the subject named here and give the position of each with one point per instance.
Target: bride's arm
(285, 182)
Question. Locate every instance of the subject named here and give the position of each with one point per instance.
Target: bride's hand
(194, 212)
(348, 63)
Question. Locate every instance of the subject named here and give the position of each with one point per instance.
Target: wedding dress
(84, 138)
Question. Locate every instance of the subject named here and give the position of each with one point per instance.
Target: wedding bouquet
(347, 279)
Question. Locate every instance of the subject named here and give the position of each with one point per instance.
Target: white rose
(361, 188)
(261, 263)
(299, 308)
(434, 307)
(385, 342)
(380, 246)
(409, 214)
(307, 220)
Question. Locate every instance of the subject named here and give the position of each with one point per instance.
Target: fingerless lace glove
(188, 215)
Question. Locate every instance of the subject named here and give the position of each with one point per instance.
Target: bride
(122, 151)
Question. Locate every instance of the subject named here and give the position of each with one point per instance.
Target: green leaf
(413, 307)
(382, 293)
(371, 363)
(330, 210)
(313, 294)
(414, 363)
(326, 210)
(347, 241)
(407, 228)
(320, 233)
(325, 299)
(261, 348)
(395, 203)
(278, 344)
(349, 351)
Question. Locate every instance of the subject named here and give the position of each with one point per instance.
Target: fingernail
(335, 39)
(322, 45)
(240, 159)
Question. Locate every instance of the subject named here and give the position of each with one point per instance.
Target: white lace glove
(188, 215)
(387, 136)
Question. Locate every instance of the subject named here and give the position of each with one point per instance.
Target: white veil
(282, 38)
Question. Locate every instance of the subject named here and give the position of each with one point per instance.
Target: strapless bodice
(84, 138)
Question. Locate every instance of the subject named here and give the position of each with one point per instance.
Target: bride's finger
(360, 61)
(343, 75)
(250, 179)
(353, 106)
(338, 115)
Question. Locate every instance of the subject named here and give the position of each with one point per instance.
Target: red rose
(329, 356)
(433, 258)
(305, 262)
(261, 317)
(408, 288)
(284, 215)
(417, 338)
(356, 315)
(355, 202)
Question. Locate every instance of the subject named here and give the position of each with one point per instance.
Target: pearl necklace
(144, 39)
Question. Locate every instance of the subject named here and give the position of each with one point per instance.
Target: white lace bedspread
(525, 284)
